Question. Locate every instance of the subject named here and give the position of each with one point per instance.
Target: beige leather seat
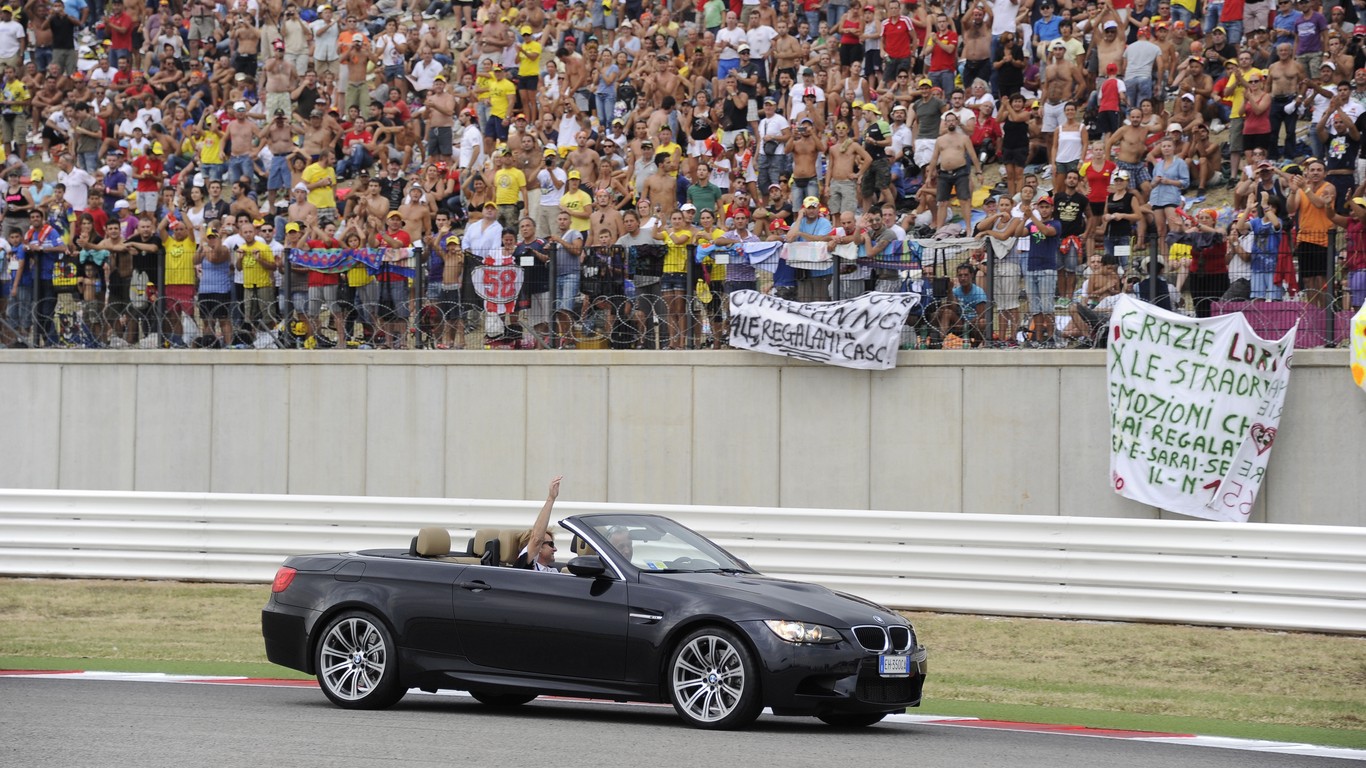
(435, 544)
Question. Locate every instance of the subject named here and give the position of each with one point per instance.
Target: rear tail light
(283, 578)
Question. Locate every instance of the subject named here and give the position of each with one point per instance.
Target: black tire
(502, 699)
(852, 719)
(357, 662)
(713, 681)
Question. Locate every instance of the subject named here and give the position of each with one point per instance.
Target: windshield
(662, 545)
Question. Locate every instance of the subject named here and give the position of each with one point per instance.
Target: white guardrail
(1193, 572)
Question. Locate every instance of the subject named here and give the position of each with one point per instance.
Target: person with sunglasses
(542, 557)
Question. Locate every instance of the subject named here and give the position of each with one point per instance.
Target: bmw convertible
(644, 609)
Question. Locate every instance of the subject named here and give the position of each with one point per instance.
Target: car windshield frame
(659, 544)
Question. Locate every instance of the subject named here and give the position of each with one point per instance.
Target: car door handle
(474, 586)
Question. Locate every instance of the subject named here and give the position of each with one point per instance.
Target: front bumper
(806, 679)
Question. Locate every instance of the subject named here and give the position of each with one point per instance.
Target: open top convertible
(647, 610)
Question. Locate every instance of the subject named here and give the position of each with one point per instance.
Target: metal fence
(629, 297)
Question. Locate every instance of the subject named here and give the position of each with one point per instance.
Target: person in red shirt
(943, 46)
(898, 41)
(120, 26)
(1096, 173)
(323, 287)
(358, 144)
(391, 307)
(150, 171)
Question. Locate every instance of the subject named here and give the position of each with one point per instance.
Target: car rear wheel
(502, 699)
(852, 719)
(356, 662)
(713, 680)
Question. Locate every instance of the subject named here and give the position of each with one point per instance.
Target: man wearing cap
(326, 33)
(440, 104)
(774, 133)
(150, 172)
(927, 109)
(279, 80)
(321, 179)
(1110, 45)
(812, 227)
(806, 82)
(528, 71)
(1140, 59)
(255, 259)
(178, 290)
(13, 39)
(498, 94)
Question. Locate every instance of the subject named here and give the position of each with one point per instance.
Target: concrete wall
(953, 431)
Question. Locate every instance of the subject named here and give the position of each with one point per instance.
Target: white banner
(1194, 406)
(863, 332)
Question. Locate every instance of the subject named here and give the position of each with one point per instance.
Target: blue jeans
(279, 174)
(833, 14)
(606, 103)
(42, 57)
(566, 292)
(1212, 11)
(944, 80)
(88, 161)
(20, 309)
(1234, 30)
(357, 160)
(800, 191)
(1137, 89)
(771, 170)
(1181, 14)
(239, 167)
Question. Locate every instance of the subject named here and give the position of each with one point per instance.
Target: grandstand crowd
(447, 173)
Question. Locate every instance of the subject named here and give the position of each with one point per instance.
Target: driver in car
(619, 536)
(544, 554)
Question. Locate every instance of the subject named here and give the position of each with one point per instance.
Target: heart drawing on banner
(1263, 436)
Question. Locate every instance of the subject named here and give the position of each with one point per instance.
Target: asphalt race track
(88, 724)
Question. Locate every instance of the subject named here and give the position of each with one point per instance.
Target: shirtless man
(318, 134)
(248, 39)
(279, 137)
(846, 158)
(1110, 46)
(954, 165)
(787, 52)
(440, 116)
(584, 159)
(371, 203)
(1186, 115)
(299, 208)
(495, 37)
(1132, 139)
(976, 44)
(280, 81)
(1287, 82)
(661, 187)
(1062, 82)
(1193, 80)
(804, 149)
(605, 218)
(242, 132)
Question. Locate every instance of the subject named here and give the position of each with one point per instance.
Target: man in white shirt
(471, 140)
(12, 40)
(77, 183)
(728, 41)
(774, 131)
(425, 71)
(805, 81)
(551, 179)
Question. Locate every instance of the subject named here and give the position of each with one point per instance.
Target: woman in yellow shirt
(674, 283)
(715, 275)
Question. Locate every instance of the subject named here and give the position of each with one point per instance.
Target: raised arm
(538, 529)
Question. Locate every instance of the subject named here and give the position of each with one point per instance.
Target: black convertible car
(647, 610)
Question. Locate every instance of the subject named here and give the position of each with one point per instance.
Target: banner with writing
(338, 260)
(1194, 408)
(1359, 348)
(863, 332)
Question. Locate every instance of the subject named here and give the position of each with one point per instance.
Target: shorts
(1138, 173)
(449, 304)
(1053, 117)
(531, 83)
(1253, 141)
(439, 141)
(1006, 287)
(320, 296)
(392, 302)
(215, 306)
(872, 63)
(179, 299)
(566, 292)
(279, 176)
(1066, 168)
(958, 180)
(539, 311)
(850, 54)
(1313, 260)
(1097, 209)
(673, 281)
(1016, 156)
(877, 178)
(1042, 288)
(1235, 135)
(495, 129)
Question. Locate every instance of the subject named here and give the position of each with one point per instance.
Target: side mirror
(587, 566)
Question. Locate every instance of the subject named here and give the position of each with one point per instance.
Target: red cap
(1360, 30)
(778, 225)
(1112, 68)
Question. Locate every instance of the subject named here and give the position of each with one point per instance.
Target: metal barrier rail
(1224, 574)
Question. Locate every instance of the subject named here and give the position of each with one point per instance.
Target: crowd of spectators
(178, 170)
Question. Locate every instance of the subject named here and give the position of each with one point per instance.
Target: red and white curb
(1188, 739)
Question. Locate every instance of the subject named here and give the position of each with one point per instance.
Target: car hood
(772, 598)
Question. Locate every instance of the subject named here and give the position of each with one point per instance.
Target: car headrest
(482, 537)
(433, 542)
(581, 548)
(511, 541)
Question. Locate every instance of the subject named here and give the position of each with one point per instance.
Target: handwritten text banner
(858, 333)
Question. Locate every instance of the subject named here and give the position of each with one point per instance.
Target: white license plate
(894, 666)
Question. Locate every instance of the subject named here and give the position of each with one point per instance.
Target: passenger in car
(544, 553)
(619, 536)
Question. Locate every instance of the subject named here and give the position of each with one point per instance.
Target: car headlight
(802, 632)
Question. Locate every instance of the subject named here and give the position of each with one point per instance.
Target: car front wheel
(356, 663)
(713, 680)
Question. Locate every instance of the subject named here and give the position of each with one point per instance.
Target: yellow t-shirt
(253, 274)
(676, 255)
(529, 60)
(325, 196)
(577, 201)
(180, 261)
(508, 184)
(718, 271)
(499, 91)
(211, 149)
